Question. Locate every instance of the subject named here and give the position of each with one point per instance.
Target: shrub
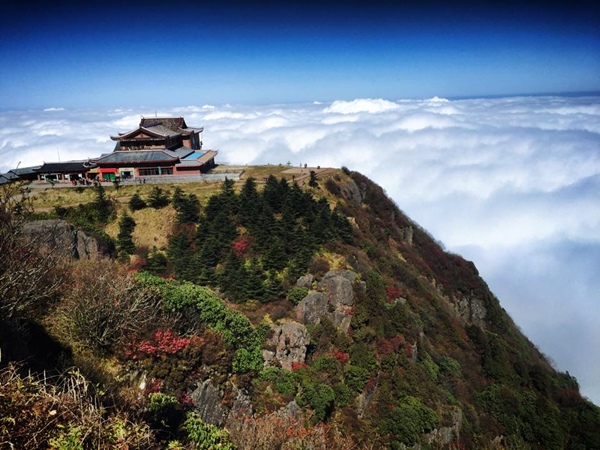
(205, 436)
(408, 420)
(296, 294)
(103, 305)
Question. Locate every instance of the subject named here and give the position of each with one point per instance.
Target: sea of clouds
(510, 183)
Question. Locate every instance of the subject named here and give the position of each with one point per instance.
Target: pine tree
(232, 279)
(103, 208)
(188, 209)
(249, 203)
(136, 203)
(275, 257)
(312, 182)
(181, 255)
(158, 199)
(124, 238)
(254, 288)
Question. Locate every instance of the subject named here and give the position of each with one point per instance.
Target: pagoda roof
(138, 156)
(160, 127)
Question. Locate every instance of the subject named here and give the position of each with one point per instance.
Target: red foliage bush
(389, 346)
(392, 293)
(164, 342)
(240, 245)
(299, 365)
(342, 357)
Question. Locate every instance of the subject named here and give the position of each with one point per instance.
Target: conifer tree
(188, 209)
(232, 279)
(124, 238)
(312, 182)
(158, 199)
(181, 255)
(136, 202)
(102, 206)
(275, 257)
(254, 288)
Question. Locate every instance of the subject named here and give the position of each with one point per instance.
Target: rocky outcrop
(207, 402)
(287, 345)
(471, 309)
(352, 193)
(59, 236)
(312, 307)
(443, 436)
(334, 300)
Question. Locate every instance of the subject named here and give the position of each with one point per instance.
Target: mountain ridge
(406, 345)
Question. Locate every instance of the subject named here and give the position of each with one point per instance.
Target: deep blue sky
(102, 54)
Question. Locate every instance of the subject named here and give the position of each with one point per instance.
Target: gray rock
(207, 403)
(62, 238)
(338, 285)
(289, 342)
(305, 281)
(312, 308)
(352, 193)
(471, 309)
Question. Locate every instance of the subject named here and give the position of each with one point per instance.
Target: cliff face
(314, 318)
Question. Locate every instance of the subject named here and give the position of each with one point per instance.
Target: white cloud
(360, 105)
(512, 183)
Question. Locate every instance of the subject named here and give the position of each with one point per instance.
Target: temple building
(159, 146)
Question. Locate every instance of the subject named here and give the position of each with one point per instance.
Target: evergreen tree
(181, 255)
(136, 203)
(158, 199)
(249, 203)
(272, 194)
(156, 262)
(254, 288)
(177, 198)
(312, 182)
(233, 278)
(272, 287)
(188, 209)
(103, 208)
(275, 257)
(124, 238)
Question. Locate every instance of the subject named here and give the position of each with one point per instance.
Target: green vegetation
(154, 349)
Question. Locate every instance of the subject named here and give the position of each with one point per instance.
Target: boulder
(312, 308)
(287, 346)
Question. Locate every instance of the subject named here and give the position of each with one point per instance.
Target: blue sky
(88, 54)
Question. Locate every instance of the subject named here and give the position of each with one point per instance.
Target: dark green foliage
(312, 182)
(233, 277)
(157, 198)
(136, 202)
(296, 294)
(103, 207)
(187, 207)
(319, 397)
(124, 238)
(407, 420)
(283, 227)
(355, 378)
(156, 262)
(284, 381)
